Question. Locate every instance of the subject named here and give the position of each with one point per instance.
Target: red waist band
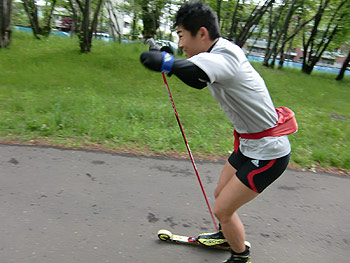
(286, 124)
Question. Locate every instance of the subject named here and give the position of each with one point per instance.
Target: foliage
(41, 25)
(325, 24)
(88, 12)
(19, 16)
(50, 92)
(132, 9)
(329, 17)
(151, 12)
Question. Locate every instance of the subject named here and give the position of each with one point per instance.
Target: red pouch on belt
(286, 124)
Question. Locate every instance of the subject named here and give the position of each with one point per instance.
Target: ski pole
(189, 151)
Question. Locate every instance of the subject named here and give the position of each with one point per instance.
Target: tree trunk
(113, 21)
(282, 57)
(256, 39)
(308, 59)
(84, 34)
(289, 38)
(218, 11)
(87, 28)
(150, 20)
(134, 25)
(307, 68)
(47, 28)
(282, 33)
(281, 51)
(315, 55)
(32, 12)
(272, 28)
(5, 23)
(75, 28)
(234, 21)
(95, 17)
(344, 67)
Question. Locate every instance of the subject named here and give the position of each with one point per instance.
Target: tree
(224, 11)
(341, 42)
(295, 26)
(218, 10)
(236, 16)
(327, 24)
(32, 11)
(113, 20)
(5, 23)
(284, 27)
(245, 28)
(274, 29)
(132, 8)
(18, 15)
(346, 64)
(87, 26)
(150, 14)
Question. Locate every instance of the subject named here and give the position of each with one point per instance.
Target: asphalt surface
(76, 206)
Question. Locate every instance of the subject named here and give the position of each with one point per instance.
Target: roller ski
(218, 239)
(166, 235)
(212, 240)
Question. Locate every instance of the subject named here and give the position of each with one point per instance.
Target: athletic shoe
(213, 239)
(240, 258)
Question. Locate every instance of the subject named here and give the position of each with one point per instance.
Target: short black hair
(193, 15)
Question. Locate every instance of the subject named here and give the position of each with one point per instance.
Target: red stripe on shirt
(255, 172)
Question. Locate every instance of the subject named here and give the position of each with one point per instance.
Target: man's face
(191, 45)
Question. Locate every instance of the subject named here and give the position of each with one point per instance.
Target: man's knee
(216, 192)
(221, 214)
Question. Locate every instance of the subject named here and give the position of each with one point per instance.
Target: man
(262, 148)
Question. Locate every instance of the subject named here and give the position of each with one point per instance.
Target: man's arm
(185, 70)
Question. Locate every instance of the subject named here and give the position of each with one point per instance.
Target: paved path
(91, 207)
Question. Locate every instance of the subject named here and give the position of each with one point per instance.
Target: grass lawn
(51, 93)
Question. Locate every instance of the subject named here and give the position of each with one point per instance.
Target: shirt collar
(210, 49)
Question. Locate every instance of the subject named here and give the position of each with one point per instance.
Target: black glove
(167, 49)
(157, 61)
(152, 60)
(153, 46)
(164, 48)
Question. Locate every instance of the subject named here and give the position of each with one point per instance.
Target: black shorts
(257, 174)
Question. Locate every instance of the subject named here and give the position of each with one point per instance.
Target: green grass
(52, 93)
(322, 109)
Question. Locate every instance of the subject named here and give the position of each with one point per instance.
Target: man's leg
(225, 176)
(232, 194)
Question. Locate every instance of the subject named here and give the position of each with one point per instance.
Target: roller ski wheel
(165, 235)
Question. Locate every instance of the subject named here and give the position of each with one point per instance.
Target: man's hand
(157, 61)
(155, 47)
(167, 49)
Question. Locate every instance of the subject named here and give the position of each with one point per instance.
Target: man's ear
(204, 33)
